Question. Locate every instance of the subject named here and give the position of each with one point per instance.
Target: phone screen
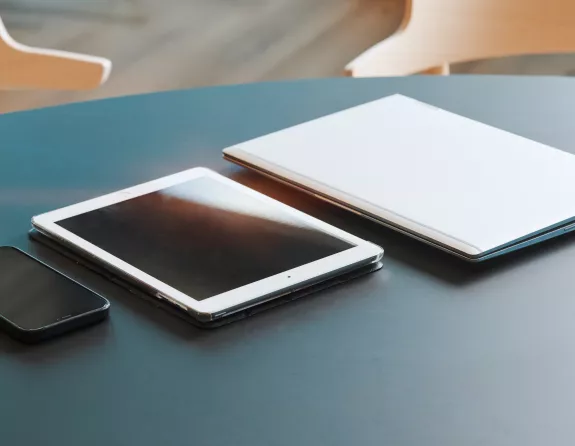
(33, 295)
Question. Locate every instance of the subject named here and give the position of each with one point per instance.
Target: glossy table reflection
(429, 351)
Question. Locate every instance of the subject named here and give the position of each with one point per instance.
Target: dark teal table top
(428, 351)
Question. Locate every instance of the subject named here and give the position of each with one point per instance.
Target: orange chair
(436, 33)
(24, 67)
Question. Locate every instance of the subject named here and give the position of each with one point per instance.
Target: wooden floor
(170, 44)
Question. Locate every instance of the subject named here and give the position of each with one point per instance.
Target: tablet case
(140, 292)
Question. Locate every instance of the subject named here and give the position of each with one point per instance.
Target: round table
(428, 351)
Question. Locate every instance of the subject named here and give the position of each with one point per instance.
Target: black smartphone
(37, 302)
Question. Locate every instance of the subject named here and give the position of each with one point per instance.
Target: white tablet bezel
(253, 292)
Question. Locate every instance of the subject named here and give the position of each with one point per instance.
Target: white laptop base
(460, 185)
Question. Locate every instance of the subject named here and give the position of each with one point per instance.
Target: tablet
(206, 244)
(467, 188)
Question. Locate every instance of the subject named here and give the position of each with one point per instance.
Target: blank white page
(463, 183)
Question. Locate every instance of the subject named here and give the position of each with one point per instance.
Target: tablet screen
(204, 237)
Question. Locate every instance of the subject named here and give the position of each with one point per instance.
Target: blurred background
(171, 44)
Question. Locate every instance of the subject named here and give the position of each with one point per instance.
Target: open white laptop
(465, 187)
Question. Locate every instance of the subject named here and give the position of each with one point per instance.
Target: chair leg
(441, 70)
